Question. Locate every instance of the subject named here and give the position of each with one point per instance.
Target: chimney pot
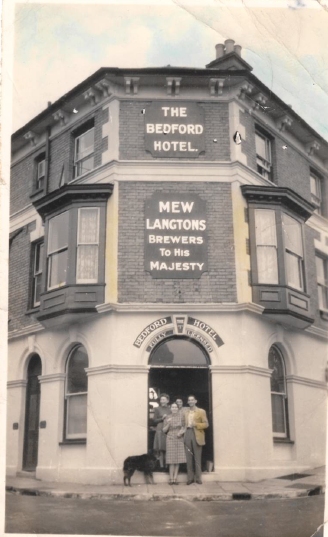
(229, 45)
(237, 49)
(219, 50)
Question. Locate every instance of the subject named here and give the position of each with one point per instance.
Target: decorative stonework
(60, 116)
(131, 85)
(284, 122)
(245, 89)
(312, 147)
(216, 86)
(173, 85)
(91, 95)
(31, 137)
(259, 101)
(104, 86)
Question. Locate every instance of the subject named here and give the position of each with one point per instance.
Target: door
(32, 411)
(179, 367)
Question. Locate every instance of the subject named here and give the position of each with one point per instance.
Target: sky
(57, 45)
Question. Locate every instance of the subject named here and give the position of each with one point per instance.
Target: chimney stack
(237, 49)
(229, 45)
(219, 50)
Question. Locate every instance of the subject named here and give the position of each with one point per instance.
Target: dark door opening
(32, 411)
(181, 381)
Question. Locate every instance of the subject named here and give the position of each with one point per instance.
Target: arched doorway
(179, 366)
(32, 411)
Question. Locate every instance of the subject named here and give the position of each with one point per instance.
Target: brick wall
(20, 278)
(132, 132)
(290, 168)
(62, 148)
(136, 285)
(21, 182)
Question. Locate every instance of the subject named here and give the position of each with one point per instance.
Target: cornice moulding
(54, 377)
(180, 307)
(25, 331)
(238, 369)
(116, 368)
(295, 379)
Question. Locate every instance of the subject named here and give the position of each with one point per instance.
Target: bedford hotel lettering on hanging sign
(175, 235)
(174, 131)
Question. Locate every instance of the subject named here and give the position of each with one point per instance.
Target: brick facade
(20, 278)
(136, 285)
(132, 129)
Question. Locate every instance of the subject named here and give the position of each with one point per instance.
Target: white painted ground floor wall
(118, 396)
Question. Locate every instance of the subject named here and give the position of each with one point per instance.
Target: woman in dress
(160, 414)
(174, 426)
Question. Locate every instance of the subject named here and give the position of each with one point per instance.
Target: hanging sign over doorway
(174, 130)
(175, 235)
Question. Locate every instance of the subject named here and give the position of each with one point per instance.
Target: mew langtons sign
(175, 235)
(174, 130)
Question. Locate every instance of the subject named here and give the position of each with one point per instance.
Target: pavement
(310, 483)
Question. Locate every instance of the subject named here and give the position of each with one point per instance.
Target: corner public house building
(168, 234)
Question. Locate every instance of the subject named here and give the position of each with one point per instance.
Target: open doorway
(186, 373)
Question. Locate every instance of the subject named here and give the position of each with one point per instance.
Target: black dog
(143, 463)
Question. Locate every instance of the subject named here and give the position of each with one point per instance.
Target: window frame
(282, 269)
(39, 181)
(51, 254)
(282, 394)
(73, 436)
(324, 283)
(264, 164)
(288, 253)
(316, 197)
(36, 273)
(78, 135)
(80, 244)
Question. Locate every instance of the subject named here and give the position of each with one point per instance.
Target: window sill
(73, 442)
(36, 192)
(32, 310)
(277, 440)
(324, 315)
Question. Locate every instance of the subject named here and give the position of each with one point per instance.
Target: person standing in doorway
(196, 423)
(160, 414)
(175, 452)
(182, 409)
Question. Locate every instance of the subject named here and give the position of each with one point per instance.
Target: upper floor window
(57, 254)
(263, 148)
(293, 242)
(322, 280)
(268, 222)
(266, 246)
(316, 192)
(278, 393)
(39, 172)
(37, 260)
(76, 391)
(84, 151)
(87, 245)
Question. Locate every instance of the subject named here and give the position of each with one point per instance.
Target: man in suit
(196, 422)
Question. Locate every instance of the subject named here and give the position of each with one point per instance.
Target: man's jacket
(200, 423)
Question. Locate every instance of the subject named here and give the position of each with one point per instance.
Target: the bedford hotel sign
(175, 235)
(174, 130)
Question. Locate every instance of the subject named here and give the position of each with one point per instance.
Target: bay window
(322, 281)
(292, 231)
(266, 246)
(87, 245)
(74, 264)
(276, 221)
(58, 250)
